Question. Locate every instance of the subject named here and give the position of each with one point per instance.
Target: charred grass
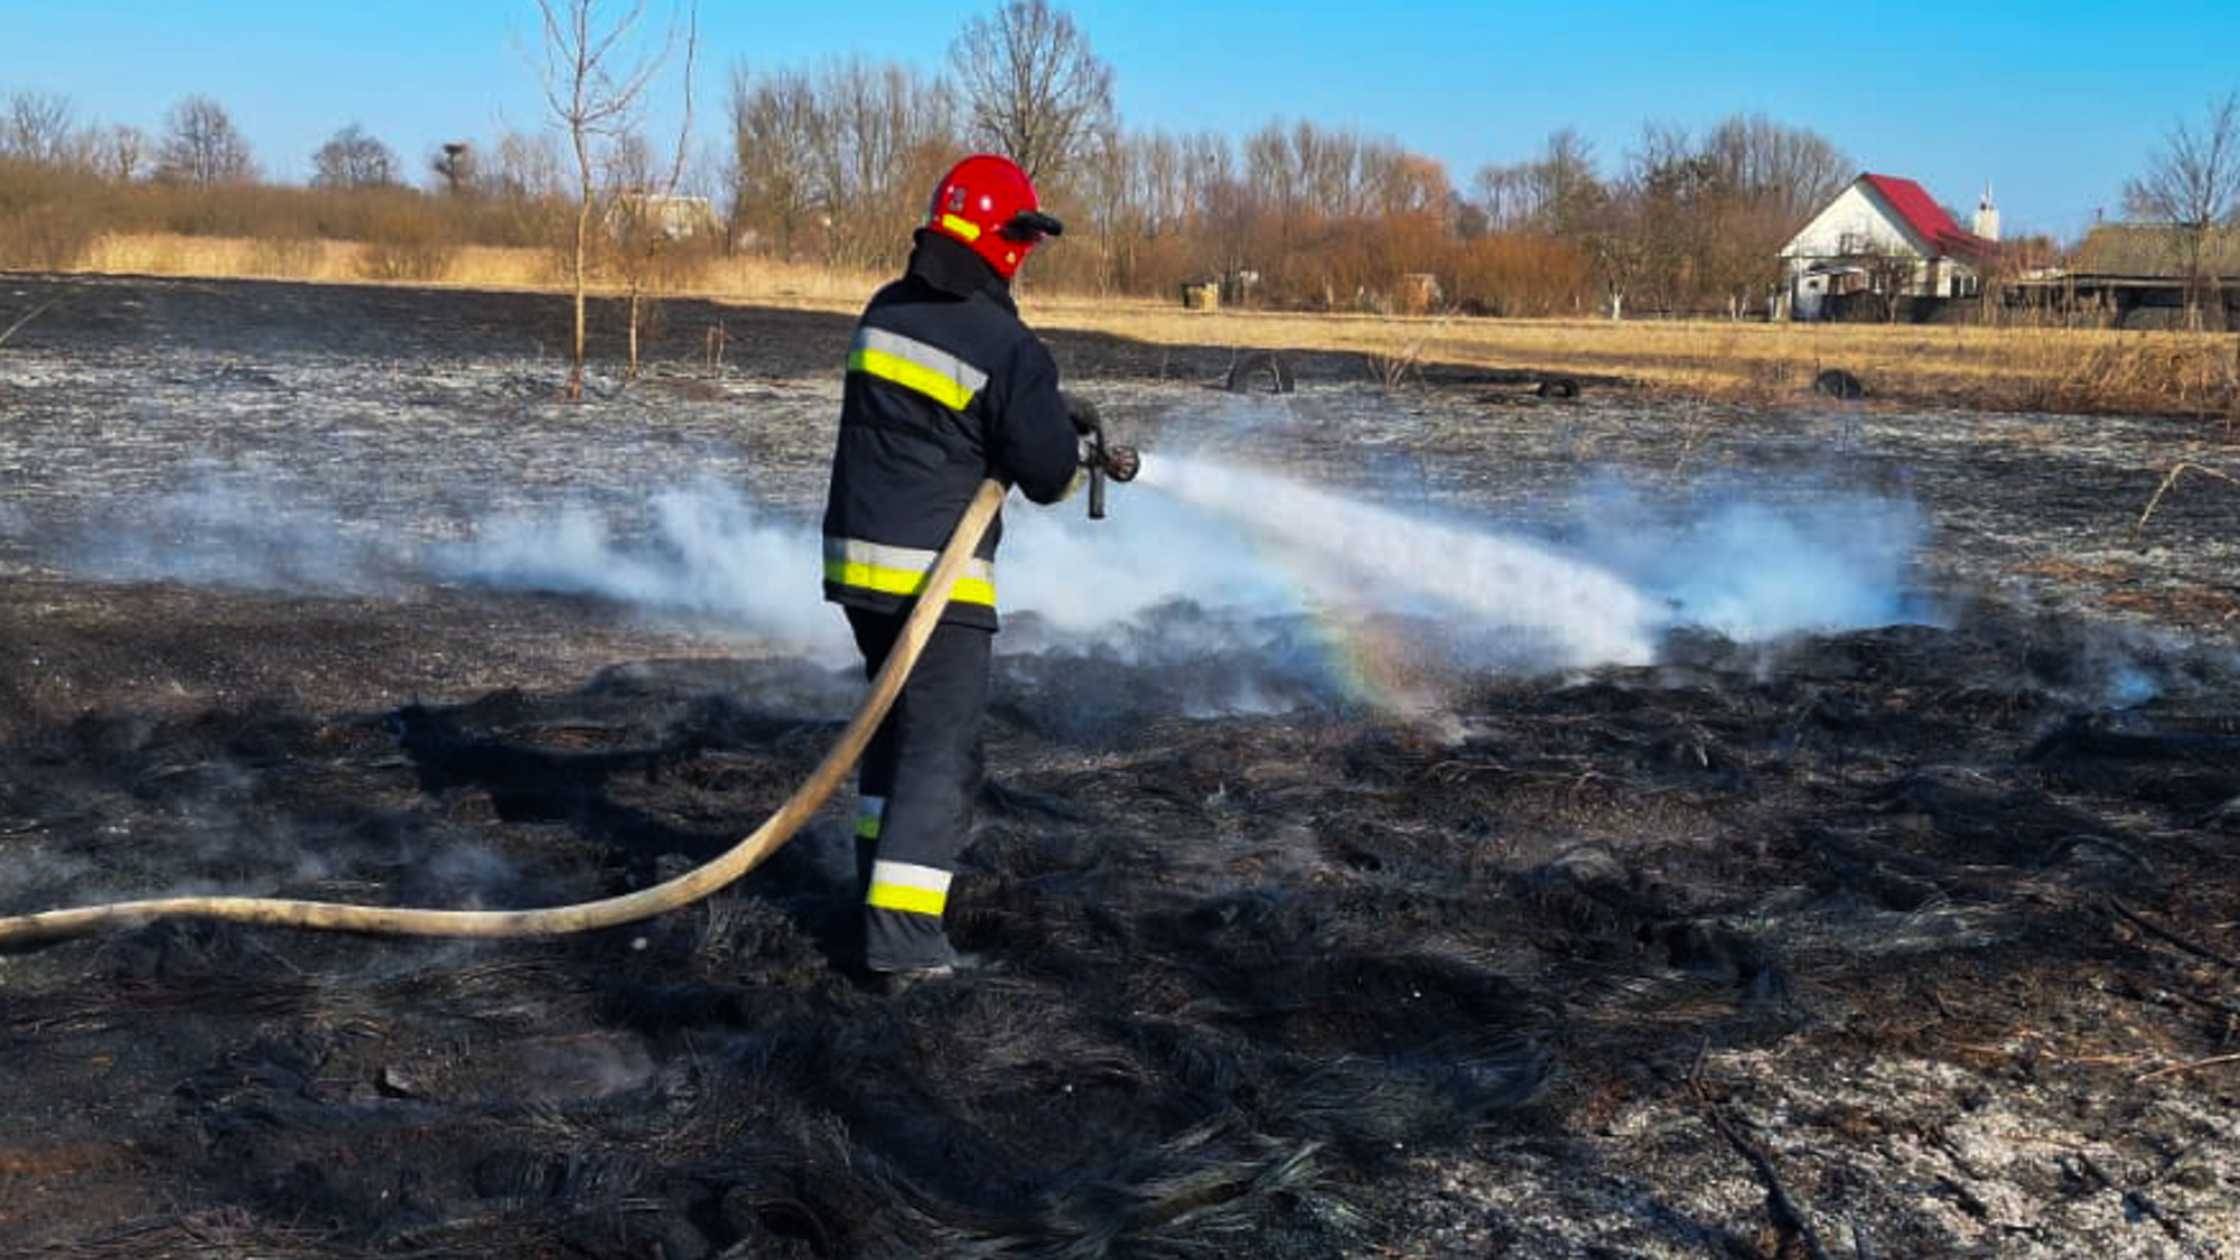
(1232, 974)
(1938, 921)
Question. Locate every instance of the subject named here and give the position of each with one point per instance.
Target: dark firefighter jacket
(945, 387)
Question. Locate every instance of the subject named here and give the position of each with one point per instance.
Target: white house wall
(1854, 217)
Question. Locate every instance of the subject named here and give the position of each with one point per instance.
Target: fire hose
(694, 885)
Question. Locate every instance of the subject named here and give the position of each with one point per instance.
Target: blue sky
(2054, 102)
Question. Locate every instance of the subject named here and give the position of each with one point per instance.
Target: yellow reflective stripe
(924, 380)
(888, 570)
(915, 365)
(870, 577)
(923, 354)
(906, 899)
(962, 227)
(908, 887)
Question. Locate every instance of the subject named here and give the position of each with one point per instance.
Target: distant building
(1209, 292)
(2155, 251)
(677, 218)
(1987, 218)
(2143, 275)
(1886, 235)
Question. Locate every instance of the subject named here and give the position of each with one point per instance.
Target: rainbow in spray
(1390, 592)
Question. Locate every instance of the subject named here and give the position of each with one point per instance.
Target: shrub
(48, 218)
(407, 243)
(43, 238)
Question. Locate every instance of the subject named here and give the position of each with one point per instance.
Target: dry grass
(2020, 368)
(466, 267)
(2038, 369)
(2193, 605)
(2075, 572)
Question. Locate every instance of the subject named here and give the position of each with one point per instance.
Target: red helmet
(988, 203)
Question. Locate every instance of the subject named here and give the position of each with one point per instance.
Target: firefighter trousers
(915, 790)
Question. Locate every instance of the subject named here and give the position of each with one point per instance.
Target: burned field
(1916, 938)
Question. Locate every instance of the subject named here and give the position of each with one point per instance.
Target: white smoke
(248, 526)
(1730, 557)
(709, 553)
(1245, 544)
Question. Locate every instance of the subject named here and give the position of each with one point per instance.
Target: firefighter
(945, 387)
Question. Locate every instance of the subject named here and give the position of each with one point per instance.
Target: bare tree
(1557, 192)
(123, 152)
(2192, 183)
(1565, 187)
(1770, 180)
(1333, 165)
(1164, 182)
(37, 128)
(650, 224)
(1892, 270)
(1224, 219)
(1678, 195)
(1787, 170)
(775, 124)
(1116, 191)
(1277, 195)
(1881, 264)
(883, 135)
(353, 159)
(525, 167)
(1033, 88)
(455, 167)
(1712, 212)
(201, 146)
(1610, 230)
(594, 88)
(524, 180)
(1506, 195)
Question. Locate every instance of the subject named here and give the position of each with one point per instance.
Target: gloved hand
(1082, 412)
(1121, 463)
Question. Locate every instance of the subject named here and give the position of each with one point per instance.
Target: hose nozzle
(1120, 463)
(1103, 460)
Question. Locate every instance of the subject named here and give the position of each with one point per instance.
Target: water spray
(1350, 554)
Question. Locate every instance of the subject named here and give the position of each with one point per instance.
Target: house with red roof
(1886, 235)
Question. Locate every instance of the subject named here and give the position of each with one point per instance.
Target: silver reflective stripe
(911, 875)
(932, 358)
(904, 559)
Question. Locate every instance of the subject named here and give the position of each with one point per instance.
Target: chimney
(1986, 224)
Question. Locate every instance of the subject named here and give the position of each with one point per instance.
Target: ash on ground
(1912, 938)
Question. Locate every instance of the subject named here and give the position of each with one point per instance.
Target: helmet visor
(1029, 226)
